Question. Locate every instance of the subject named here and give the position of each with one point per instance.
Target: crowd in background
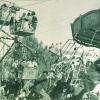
(66, 80)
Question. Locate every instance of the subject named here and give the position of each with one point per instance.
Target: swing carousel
(23, 25)
(16, 23)
(86, 29)
(86, 32)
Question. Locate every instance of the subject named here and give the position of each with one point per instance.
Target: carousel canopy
(97, 65)
(86, 29)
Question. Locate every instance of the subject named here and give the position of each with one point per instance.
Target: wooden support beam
(7, 34)
(4, 43)
(6, 53)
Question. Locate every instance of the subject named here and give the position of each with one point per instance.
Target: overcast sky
(55, 16)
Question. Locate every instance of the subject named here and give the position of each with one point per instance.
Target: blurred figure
(34, 21)
(2, 90)
(22, 95)
(38, 90)
(96, 90)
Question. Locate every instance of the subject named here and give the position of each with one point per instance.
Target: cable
(6, 38)
(1, 48)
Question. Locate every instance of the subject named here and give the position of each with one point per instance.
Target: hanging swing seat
(86, 29)
(2, 22)
(22, 33)
(21, 28)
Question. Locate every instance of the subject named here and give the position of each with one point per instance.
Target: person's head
(24, 14)
(28, 14)
(24, 90)
(52, 73)
(73, 62)
(3, 83)
(33, 59)
(4, 5)
(33, 13)
(45, 72)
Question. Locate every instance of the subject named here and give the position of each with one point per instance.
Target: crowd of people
(65, 80)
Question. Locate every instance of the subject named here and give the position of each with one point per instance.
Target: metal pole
(6, 53)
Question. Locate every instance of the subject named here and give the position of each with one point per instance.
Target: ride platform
(86, 29)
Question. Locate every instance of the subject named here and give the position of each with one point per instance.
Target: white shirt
(2, 92)
(96, 90)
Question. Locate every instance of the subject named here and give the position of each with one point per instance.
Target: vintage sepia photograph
(49, 50)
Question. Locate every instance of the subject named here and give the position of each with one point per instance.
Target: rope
(2, 48)
(67, 48)
(64, 45)
(93, 37)
(79, 65)
(88, 53)
(70, 69)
